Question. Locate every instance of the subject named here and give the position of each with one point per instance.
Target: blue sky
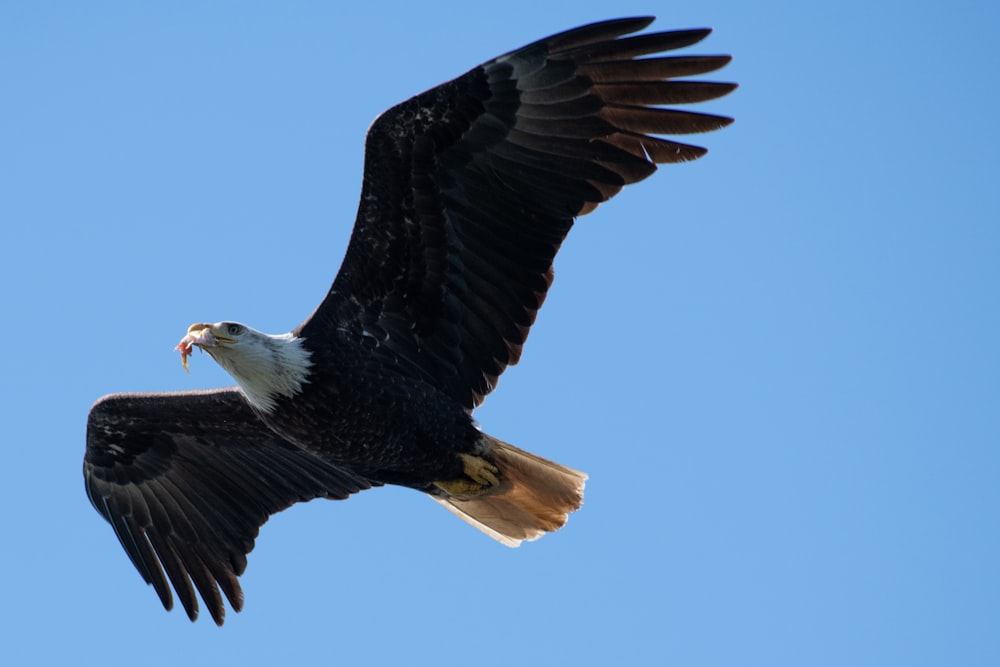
(778, 364)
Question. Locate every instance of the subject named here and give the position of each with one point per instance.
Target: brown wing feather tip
(587, 34)
(635, 46)
(663, 92)
(652, 69)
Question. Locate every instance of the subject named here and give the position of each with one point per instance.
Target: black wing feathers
(470, 188)
(187, 479)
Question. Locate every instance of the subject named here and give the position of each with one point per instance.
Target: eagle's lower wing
(187, 479)
(471, 187)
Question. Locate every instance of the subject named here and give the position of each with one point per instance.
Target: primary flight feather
(469, 189)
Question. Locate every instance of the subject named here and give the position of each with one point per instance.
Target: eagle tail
(535, 496)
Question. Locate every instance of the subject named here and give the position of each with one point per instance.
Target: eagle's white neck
(267, 367)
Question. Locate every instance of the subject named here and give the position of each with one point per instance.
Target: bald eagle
(469, 189)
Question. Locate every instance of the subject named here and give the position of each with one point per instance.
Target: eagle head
(265, 366)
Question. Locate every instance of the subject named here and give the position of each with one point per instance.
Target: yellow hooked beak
(204, 336)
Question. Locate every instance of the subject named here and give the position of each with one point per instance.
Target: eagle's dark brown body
(469, 190)
(387, 426)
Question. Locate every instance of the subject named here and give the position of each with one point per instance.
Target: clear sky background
(779, 364)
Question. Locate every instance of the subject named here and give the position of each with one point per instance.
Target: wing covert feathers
(535, 497)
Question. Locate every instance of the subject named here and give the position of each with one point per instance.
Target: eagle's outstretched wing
(187, 479)
(471, 187)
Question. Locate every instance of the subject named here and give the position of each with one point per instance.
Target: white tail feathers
(534, 497)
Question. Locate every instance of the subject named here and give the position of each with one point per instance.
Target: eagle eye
(234, 329)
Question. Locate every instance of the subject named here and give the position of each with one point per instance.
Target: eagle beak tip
(197, 334)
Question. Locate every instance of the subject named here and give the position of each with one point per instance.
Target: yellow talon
(482, 475)
(480, 470)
